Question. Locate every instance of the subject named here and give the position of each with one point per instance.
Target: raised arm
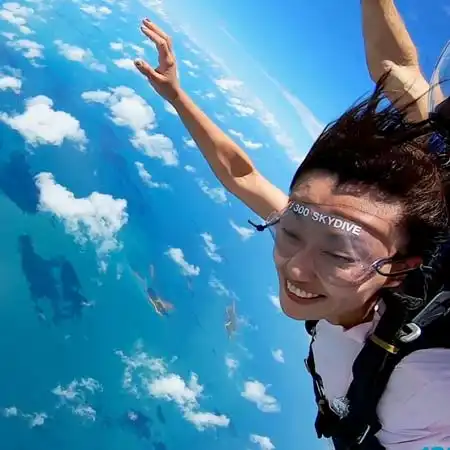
(389, 47)
(230, 163)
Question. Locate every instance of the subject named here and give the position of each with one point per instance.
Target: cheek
(278, 260)
(370, 288)
(347, 299)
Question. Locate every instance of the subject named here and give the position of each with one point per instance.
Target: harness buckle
(361, 438)
(413, 332)
(437, 307)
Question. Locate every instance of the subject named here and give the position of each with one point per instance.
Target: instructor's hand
(164, 78)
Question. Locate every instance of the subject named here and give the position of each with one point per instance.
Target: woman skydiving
(358, 252)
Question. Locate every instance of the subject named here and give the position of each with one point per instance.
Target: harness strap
(342, 430)
(325, 418)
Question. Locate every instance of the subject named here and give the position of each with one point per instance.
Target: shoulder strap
(310, 326)
(357, 425)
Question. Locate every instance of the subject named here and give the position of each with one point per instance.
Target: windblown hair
(373, 146)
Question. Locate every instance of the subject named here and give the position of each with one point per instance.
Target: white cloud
(37, 419)
(177, 255)
(99, 12)
(71, 52)
(121, 46)
(217, 194)
(264, 442)
(211, 248)
(278, 355)
(248, 105)
(220, 288)
(33, 419)
(275, 300)
(170, 109)
(96, 96)
(10, 82)
(11, 411)
(192, 74)
(228, 85)
(173, 388)
(242, 109)
(129, 109)
(156, 146)
(118, 46)
(30, 49)
(255, 392)
(78, 54)
(9, 36)
(98, 217)
(139, 50)
(236, 100)
(210, 95)
(190, 64)
(189, 168)
(232, 365)
(151, 377)
(246, 142)
(220, 117)
(125, 63)
(17, 15)
(86, 411)
(75, 396)
(244, 232)
(190, 47)
(157, 6)
(203, 420)
(41, 124)
(189, 142)
(147, 178)
(312, 125)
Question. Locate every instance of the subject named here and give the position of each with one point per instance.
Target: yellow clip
(383, 344)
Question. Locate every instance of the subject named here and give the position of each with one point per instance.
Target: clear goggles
(439, 101)
(440, 84)
(338, 250)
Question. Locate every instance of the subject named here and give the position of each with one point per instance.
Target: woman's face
(320, 255)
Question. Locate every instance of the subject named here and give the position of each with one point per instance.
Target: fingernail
(138, 62)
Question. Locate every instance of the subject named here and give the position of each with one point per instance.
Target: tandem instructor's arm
(230, 163)
(389, 47)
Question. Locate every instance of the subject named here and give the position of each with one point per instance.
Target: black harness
(352, 422)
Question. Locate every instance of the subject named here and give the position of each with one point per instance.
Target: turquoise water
(82, 348)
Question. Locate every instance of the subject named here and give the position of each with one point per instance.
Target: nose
(300, 267)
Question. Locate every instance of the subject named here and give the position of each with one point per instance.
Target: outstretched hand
(164, 78)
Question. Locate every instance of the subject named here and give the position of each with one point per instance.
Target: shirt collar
(359, 333)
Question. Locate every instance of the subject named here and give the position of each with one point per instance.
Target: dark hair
(375, 148)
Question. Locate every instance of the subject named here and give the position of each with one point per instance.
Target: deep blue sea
(86, 362)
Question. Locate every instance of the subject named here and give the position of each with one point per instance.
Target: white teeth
(300, 293)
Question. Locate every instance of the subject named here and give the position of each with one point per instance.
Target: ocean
(86, 361)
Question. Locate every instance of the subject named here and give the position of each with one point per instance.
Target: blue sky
(314, 50)
(309, 44)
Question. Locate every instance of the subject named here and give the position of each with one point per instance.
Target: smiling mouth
(298, 294)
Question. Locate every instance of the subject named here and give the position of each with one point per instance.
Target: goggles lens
(341, 251)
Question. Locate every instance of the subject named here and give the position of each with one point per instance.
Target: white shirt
(414, 410)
